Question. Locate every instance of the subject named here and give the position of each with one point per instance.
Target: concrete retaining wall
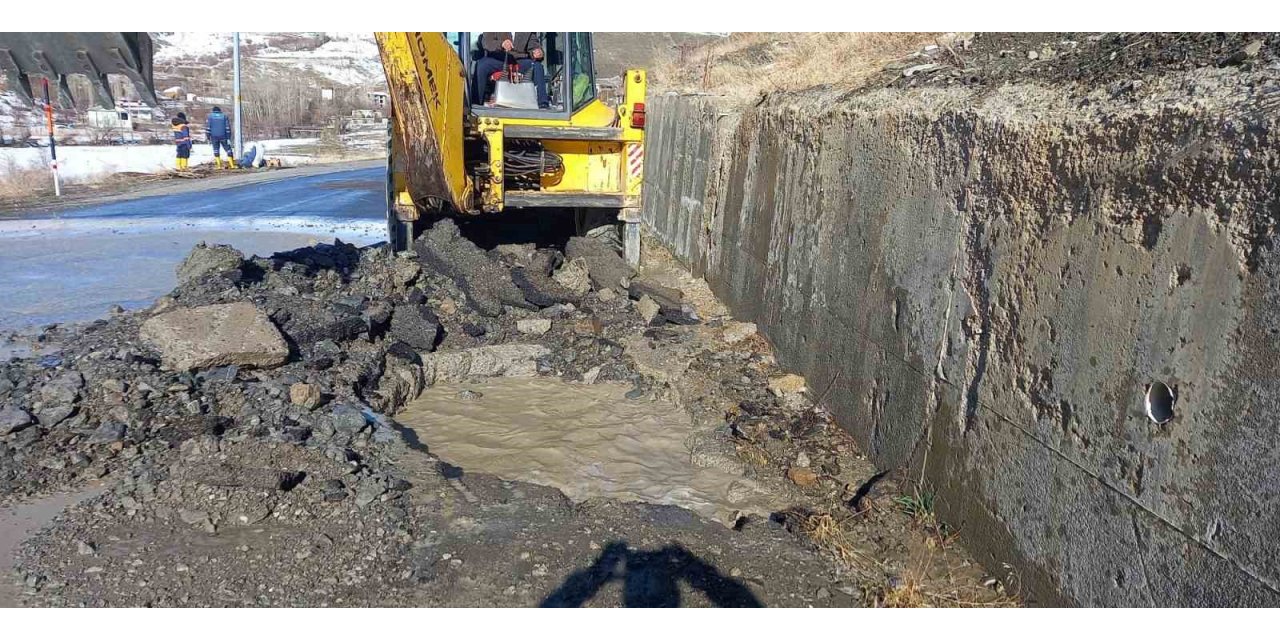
(989, 284)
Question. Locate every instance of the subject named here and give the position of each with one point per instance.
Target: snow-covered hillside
(344, 58)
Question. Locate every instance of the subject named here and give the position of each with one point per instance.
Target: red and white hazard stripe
(635, 159)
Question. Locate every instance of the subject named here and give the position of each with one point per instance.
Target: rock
(205, 260)
(487, 283)
(589, 326)
(605, 268)
(417, 326)
(787, 384)
(377, 318)
(349, 419)
(334, 490)
(214, 336)
(670, 301)
(1249, 51)
(1033, 55)
(665, 296)
(533, 326)
(573, 276)
(305, 395)
(802, 460)
(309, 322)
(511, 360)
(107, 433)
(536, 280)
(648, 309)
(86, 548)
(115, 310)
(25, 438)
(467, 395)
(542, 290)
(607, 295)
(519, 254)
(736, 332)
(802, 476)
(13, 419)
(406, 271)
(50, 416)
(64, 389)
(368, 491)
(190, 516)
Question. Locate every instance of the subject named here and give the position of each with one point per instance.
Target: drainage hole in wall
(1159, 402)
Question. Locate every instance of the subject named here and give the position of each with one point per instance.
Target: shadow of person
(650, 579)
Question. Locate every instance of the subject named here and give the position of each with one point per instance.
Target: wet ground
(587, 440)
(21, 521)
(72, 265)
(640, 460)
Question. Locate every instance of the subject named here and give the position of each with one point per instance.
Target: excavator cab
(451, 155)
(569, 69)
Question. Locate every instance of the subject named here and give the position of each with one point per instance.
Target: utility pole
(53, 145)
(235, 97)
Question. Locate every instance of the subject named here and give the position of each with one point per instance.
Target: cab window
(583, 87)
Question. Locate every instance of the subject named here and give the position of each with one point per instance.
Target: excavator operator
(503, 48)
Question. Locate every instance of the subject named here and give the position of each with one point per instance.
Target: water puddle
(21, 521)
(585, 440)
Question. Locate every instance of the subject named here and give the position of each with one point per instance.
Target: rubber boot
(231, 162)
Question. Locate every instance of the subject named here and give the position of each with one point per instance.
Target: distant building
(109, 119)
(378, 99)
(326, 94)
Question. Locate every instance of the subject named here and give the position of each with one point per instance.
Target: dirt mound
(1088, 59)
(295, 485)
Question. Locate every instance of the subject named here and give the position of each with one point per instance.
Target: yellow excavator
(453, 152)
(450, 152)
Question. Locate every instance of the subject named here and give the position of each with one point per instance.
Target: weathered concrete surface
(988, 282)
(216, 335)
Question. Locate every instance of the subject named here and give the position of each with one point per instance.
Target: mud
(229, 488)
(588, 441)
(21, 521)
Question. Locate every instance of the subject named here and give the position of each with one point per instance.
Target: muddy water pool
(589, 441)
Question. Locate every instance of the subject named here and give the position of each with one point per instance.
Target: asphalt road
(71, 265)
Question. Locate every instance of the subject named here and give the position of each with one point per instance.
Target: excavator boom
(427, 83)
(56, 56)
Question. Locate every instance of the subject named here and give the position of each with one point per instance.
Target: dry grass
(930, 578)
(753, 454)
(744, 65)
(19, 180)
(827, 532)
(919, 587)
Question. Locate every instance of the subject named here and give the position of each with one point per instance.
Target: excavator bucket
(427, 83)
(56, 56)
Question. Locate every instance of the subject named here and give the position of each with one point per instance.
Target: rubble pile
(246, 421)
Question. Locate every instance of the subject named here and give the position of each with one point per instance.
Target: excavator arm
(427, 84)
(56, 56)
